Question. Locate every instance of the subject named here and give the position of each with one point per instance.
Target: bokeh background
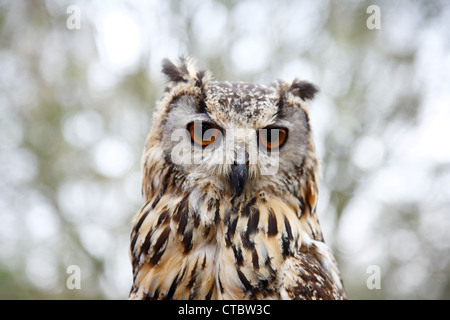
(76, 105)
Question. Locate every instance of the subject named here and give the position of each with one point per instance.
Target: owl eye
(272, 138)
(202, 133)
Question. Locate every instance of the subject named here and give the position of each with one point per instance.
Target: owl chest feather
(197, 247)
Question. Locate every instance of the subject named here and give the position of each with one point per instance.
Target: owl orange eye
(272, 138)
(202, 133)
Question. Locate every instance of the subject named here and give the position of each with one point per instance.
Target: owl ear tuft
(303, 89)
(175, 72)
(184, 70)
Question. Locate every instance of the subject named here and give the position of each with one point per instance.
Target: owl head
(235, 138)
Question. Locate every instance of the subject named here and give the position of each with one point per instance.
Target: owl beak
(238, 178)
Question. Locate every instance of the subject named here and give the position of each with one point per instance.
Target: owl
(230, 183)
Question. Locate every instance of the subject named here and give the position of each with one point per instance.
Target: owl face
(238, 137)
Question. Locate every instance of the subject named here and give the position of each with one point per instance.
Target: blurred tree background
(76, 106)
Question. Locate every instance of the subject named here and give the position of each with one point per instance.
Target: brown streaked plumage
(230, 220)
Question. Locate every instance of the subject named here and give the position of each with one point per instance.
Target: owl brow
(201, 106)
(202, 117)
(280, 123)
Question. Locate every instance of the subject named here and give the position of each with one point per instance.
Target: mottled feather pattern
(195, 238)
